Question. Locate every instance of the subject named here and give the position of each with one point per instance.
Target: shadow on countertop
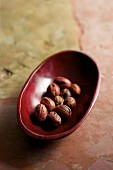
(17, 150)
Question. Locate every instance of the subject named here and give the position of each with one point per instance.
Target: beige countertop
(31, 31)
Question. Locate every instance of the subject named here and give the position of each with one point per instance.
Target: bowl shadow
(17, 150)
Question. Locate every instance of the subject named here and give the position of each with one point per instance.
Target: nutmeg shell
(55, 118)
(62, 82)
(75, 89)
(70, 101)
(65, 93)
(53, 90)
(48, 102)
(58, 100)
(64, 111)
(41, 112)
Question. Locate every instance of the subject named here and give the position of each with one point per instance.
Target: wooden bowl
(77, 67)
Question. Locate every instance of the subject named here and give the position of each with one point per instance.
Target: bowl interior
(76, 66)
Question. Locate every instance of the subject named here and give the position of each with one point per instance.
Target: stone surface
(95, 22)
(91, 145)
(54, 165)
(30, 31)
(78, 151)
(102, 164)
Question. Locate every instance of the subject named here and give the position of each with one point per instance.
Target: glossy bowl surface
(76, 66)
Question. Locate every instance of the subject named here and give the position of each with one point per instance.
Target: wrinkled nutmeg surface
(65, 93)
(41, 112)
(48, 102)
(58, 100)
(53, 90)
(64, 111)
(70, 101)
(75, 89)
(62, 82)
(55, 118)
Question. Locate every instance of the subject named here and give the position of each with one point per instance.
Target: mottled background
(30, 31)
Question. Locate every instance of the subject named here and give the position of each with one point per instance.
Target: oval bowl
(77, 67)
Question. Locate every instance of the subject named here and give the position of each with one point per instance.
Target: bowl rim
(69, 131)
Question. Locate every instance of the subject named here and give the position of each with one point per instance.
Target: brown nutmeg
(58, 100)
(70, 101)
(53, 90)
(62, 82)
(75, 88)
(65, 93)
(48, 102)
(64, 111)
(55, 118)
(41, 112)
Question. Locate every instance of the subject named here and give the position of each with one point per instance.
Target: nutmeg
(70, 101)
(65, 93)
(41, 112)
(62, 82)
(48, 102)
(55, 118)
(64, 111)
(58, 100)
(53, 90)
(75, 89)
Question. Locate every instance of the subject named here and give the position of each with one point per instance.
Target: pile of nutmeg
(56, 107)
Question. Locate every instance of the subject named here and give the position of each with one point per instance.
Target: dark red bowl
(76, 66)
